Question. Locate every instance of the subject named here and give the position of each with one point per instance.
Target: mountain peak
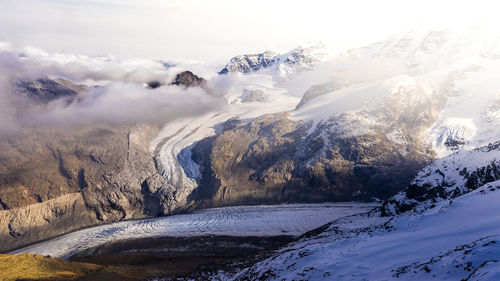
(306, 55)
(424, 49)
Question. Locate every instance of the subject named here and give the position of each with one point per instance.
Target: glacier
(275, 220)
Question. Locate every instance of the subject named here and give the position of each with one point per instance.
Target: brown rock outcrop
(39, 221)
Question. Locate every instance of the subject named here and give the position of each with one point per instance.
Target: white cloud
(219, 29)
(122, 100)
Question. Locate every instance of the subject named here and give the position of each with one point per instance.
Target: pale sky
(212, 30)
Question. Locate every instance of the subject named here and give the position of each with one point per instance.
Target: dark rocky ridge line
(249, 63)
(185, 79)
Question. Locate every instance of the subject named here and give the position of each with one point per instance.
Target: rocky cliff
(36, 222)
(272, 159)
(110, 168)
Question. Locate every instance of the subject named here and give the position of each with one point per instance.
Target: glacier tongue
(241, 221)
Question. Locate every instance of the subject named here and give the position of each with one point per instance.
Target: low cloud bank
(120, 97)
(123, 103)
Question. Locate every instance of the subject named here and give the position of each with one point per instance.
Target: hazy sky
(214, 30)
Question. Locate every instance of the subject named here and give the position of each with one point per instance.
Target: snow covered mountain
(366, 117)
(306, 126)
(284, 65)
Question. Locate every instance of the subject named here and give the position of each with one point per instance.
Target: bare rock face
(39, 221)
(356, 155)
(272, 159)
(320, 90)
(247, 163)
(188, 79)
(110, 168)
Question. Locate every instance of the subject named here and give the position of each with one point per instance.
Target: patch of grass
(37, 267)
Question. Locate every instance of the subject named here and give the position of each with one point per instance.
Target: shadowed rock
(154, 84)
(187, 79)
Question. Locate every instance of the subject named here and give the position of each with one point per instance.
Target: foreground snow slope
(453, 241)
(447, 178)
(293, 220)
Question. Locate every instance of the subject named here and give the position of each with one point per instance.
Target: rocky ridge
(286, 65)
(448, 178)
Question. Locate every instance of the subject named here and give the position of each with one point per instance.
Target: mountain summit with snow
(303, 57)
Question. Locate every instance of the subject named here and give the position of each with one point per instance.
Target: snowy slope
(459, 69)
(280, 66)
(455, 241)
(462, 67)
(447, 178)
(293, 220)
